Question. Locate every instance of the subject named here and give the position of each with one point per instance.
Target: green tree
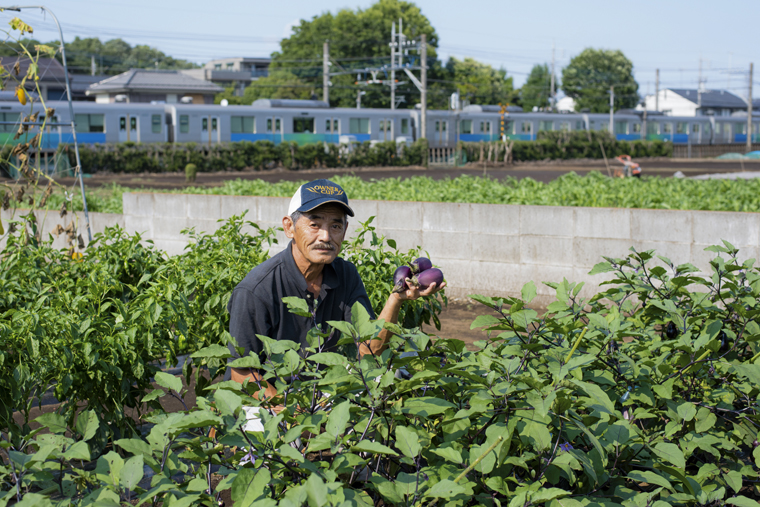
(535, 92)
(280, 84)
(589, 76)
(478, 82)
(116, 55)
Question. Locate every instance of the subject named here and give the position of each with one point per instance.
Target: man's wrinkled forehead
(327, 211)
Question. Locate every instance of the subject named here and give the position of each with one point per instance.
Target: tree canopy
(479, 83)
(535, 92)
(111, 57)
(589, 76)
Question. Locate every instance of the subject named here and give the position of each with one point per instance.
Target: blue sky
(666, 34)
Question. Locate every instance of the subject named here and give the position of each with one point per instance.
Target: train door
(332, 126)
(274, 128)
(386, 129)
(128, 128)
(441, 132)
(210, 129)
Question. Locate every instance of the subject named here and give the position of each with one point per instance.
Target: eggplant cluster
(420, 273)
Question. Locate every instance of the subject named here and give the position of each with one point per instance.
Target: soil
(544, 171)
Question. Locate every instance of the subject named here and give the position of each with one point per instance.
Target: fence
(709, 150)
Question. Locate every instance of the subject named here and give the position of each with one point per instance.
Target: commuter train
(309, 121)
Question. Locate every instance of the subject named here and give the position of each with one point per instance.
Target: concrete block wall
(483, 248)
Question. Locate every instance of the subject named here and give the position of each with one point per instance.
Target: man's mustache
(324, 246)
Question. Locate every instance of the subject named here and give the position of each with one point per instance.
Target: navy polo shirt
(256, 305)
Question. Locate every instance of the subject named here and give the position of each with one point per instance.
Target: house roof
(50, 69)
(711, 98)
(145, 80)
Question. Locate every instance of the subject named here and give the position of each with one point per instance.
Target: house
(237, 72)
(144, 85)
(52, 80)
(696, 102)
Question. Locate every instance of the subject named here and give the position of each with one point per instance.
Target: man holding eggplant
(308, 268)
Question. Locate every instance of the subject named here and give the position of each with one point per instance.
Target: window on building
(667, 128)
(358, 126)
(14, 117)
(545, 125)
(637, 128)
(243, 125)
(303, 125)
(217, 66)
(230, 65)
(466, 126)
(404, 126)
(86, 123)
(621, 127)
(155, 123)
(184, 124)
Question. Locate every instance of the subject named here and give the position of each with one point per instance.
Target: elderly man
(308, 268)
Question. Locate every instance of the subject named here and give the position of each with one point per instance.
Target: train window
(579, 125)
(527, 127)
(667, 128)
(621, 127)
(443, 126)
(243, 124)
(133, 123)
(545, 125)
(466, 126)
(695, 128)
(564, 126)
(89, 123)
(488, 127)
(214, 124)
(336, 126)
(404, 126)
(382, 125)
(740, 128)
(277, 125)
(184, 124)
(122, 123)
(204, 124)
(717, 128)
(604, 126)
(437, 125)
(303, 125)
(358, 126)
(637, 128)
(682, 127)
(328, 126)
(269, 124)
(155, 123)
(653, 128)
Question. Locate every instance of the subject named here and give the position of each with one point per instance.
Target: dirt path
(540, 171)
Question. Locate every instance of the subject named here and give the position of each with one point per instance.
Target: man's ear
(288, 227)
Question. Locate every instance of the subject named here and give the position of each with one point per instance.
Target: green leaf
(742, 501)
(54, 422)
(734, 480)
(134, 446)
(426, 406)
(227, 402)
(79, 450)
(650, 478)
(297, 306)
(214, 351)
(445, 489)
(316, 491)
(528, 292)
(87, 424)
(750, 371)
(671, 453)
(373, 447)
(407, 442)
(132, 473)
(449, 454)
(169, 381)
(687, 411)
(338, 419)
(329, 358)
(153, 395)
(484, 321)
(548, 494)
(249, 485)
(601, 267)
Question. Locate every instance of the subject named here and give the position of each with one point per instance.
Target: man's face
(318, 234)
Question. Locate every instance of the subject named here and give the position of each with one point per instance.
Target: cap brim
(316, 204)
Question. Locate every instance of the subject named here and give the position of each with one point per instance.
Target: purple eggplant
(429, 277)
(400, 277)
(420, 264)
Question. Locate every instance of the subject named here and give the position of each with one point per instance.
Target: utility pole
(749, 112)
(93, 67)
(551, 93)
(326, 72)
(423, 92)
(657, 90)
(699, 87)
(612, 106)
(730, 56)
(393, 66)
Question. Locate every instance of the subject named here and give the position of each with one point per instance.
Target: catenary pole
(326, 72)
(71, 108)
(393, 66)
(423, 99)
(612, 106)
(551, 92)
(749, 112)
(657, 90)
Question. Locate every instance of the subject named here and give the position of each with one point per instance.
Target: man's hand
(414, 291)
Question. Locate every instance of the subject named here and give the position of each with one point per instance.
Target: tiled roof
(50, 68)
(711, 98)
(136, 80)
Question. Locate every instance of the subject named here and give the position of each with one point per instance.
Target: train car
(112, 123)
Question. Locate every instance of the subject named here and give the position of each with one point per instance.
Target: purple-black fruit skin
(429, 277)
(399, 278)
(421, 264)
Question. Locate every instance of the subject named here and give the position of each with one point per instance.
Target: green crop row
(645, 394)
(592, 190)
